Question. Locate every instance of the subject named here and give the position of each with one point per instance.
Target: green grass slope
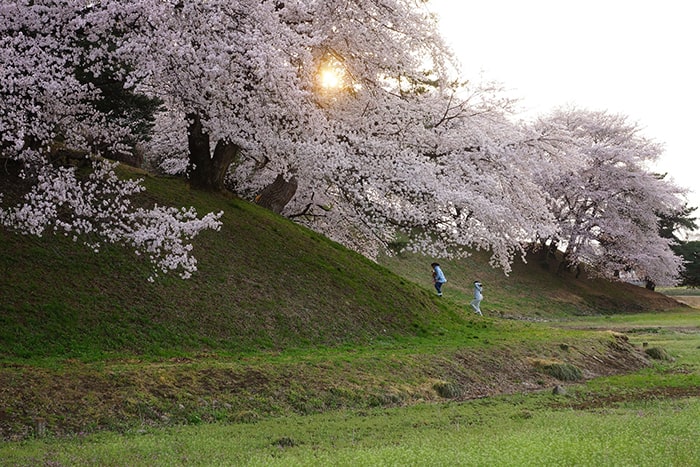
(533, 290)
(263, 283)
(277, 320)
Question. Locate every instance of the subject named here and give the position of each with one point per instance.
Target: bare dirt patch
(594, 402)
(690, 300)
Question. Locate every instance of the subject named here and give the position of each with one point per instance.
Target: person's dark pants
(438, 287)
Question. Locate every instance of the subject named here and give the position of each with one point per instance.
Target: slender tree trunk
(276, 195)
(207, 171)
(551, 251)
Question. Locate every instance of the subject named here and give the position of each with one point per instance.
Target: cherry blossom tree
(357, 100)
(454, 180)
(47, 113)
(595, 168)
(246, 77)
(394, 146)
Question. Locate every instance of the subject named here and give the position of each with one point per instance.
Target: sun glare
(331, 74)
(330, 78)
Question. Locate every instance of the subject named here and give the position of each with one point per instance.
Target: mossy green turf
(263, 283)
(632, 419)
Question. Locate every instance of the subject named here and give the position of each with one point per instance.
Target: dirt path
(690, 300)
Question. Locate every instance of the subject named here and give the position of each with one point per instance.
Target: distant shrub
(657, 353)
(560, 371)
(447, 390)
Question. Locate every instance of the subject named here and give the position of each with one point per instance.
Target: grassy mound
(263, 283)
(277, 320)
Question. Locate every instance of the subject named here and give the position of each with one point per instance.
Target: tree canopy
(237, 93)
(603, 195)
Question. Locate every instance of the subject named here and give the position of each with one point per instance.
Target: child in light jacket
(438, 278)
(477, 298)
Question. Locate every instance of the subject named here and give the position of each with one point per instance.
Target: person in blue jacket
(438, 278)
(476, 303)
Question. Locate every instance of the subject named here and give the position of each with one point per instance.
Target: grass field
(646, 418)
(686, 295)
(288, 349)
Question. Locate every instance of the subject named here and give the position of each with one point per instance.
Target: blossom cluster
(99, 209)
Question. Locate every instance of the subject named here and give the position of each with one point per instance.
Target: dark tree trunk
(551, 251)
(207, 171)
(276, 195)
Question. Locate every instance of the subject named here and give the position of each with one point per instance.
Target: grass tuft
(448, 390)
(560, 371)
(658, 353)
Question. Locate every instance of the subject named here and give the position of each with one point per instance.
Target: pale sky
(636, 58)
